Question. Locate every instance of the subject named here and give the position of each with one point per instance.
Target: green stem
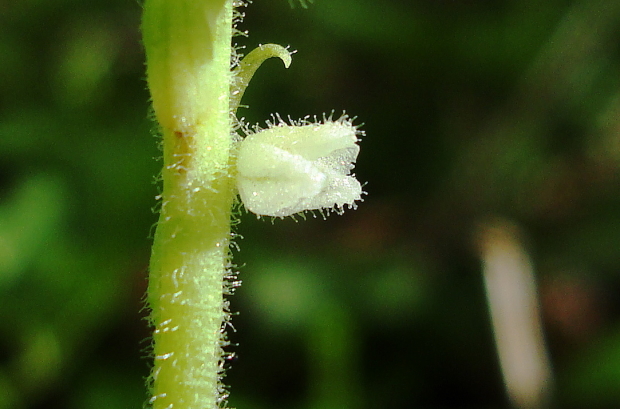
(188, 48)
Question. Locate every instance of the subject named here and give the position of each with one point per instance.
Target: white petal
(310, 141)
(339, 192)
(273, 182)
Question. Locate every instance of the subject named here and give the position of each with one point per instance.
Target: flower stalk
(279, 171)
(188, 49)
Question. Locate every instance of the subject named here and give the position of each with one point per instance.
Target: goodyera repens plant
(287, 168)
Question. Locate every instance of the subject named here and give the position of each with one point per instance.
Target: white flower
(287, 169)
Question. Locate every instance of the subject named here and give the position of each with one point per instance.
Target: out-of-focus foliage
(471, 108)
(76, 191)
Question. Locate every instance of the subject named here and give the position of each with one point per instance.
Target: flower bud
(287, 169)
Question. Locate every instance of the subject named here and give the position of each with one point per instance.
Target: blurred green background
(472, 109)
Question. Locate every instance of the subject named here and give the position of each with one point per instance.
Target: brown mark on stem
(182, 153)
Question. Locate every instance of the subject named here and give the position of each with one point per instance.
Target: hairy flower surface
(287, 169)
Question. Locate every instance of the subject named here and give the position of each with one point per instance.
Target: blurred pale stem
(515, 314)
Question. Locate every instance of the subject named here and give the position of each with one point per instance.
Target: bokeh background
(474, 111)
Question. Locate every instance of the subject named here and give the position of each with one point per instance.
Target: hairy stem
(188, 48)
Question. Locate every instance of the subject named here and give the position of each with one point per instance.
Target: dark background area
(472, 110)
